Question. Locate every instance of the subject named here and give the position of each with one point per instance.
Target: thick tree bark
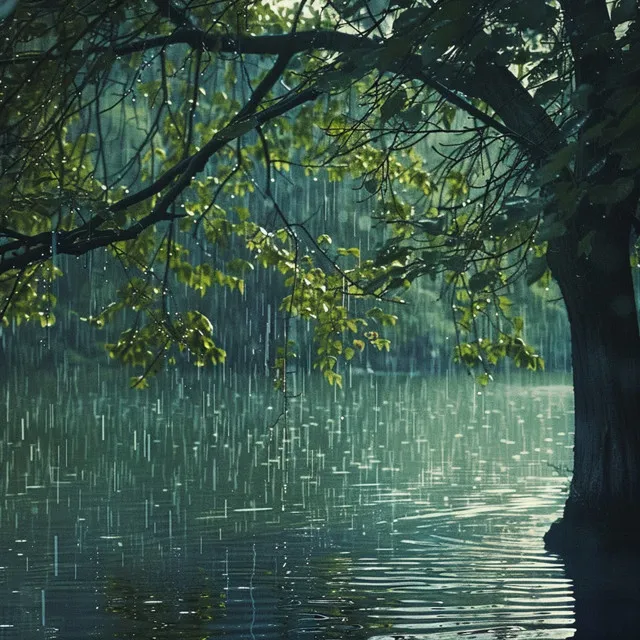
(599, 296)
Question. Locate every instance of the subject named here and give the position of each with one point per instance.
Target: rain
(191, 511)
(412, 501)
(283, 321)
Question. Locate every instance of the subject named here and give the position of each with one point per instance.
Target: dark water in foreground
(403, 508)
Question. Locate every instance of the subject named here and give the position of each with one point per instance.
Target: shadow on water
(606, 591)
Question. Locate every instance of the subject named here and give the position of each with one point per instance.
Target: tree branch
(89, 237)
(494, 85)
(523, 120)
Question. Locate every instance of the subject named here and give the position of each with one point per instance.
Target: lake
(401, 507)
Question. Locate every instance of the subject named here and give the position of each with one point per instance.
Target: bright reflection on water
(403, 508)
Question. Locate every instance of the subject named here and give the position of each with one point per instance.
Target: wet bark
(603, 506)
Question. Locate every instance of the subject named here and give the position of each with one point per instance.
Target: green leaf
(410, 18)
(46, 319)
(584, 246)
(549, 229)
(504, 304)
(536, 269)
(484, 379)
(446, 34)
(433, 226)
(393, 105)
(456, 263)
(448, 115)
(391, 252)
(612, 193)
(333, 378)
(336, 80)
(412, 116)
(385, 319)
(351, 251)
(139, 382)
(555, 165)
(515, 211)
(371, 185)
(482, 280)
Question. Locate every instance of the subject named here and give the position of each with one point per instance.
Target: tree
(493, 141)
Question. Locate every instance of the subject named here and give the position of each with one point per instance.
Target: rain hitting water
(406, 507)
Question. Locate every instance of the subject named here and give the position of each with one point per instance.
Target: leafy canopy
(164, 131)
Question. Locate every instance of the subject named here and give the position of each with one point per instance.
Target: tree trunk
(598, 291)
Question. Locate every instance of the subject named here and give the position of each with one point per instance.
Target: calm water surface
(401, 508)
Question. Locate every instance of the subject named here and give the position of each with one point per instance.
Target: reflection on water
(403, 508)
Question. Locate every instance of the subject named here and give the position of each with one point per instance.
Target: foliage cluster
(132, 126)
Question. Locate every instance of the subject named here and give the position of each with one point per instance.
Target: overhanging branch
(89, 237)
(494, 85)
(521, 118)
